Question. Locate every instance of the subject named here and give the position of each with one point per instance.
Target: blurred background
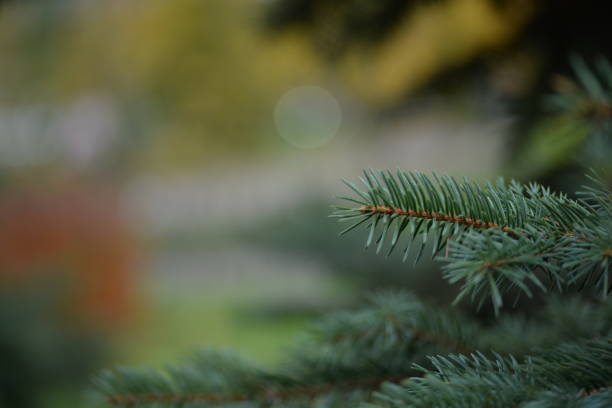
(167, 166)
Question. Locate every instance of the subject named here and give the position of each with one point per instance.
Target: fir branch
(502, 235)
(588, 257)
(441, 207)
(591, 96)
(275, 395)
(416, 335)
(478, 381)
(491, 263)
(395, 318)
(220, 379)
(346, 352)
(587, 253)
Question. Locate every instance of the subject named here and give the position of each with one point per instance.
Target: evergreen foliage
(577, 127)
(498, 241)
(499, 238)
(588, 102)
(342, 356)
(570, 375)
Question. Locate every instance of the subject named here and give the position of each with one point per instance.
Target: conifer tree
(498, 241)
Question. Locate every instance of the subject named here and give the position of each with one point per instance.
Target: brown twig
(596, 391)
(470, 222)
(265, 395)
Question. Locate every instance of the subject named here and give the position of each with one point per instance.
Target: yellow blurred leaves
(207, 76)
(202, 70)
(434, 38)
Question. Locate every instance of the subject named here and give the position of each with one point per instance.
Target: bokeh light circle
(307, 116)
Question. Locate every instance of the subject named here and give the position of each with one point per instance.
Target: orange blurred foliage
(72, 235)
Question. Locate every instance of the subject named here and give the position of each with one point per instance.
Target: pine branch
(272, 395)
(348, 355)
(587, 253)
(580, 370)
(591, 96)
(491, 263)
(504, 237)
(500, 238)
(349, 352)
(443, 207)
(394, 318)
